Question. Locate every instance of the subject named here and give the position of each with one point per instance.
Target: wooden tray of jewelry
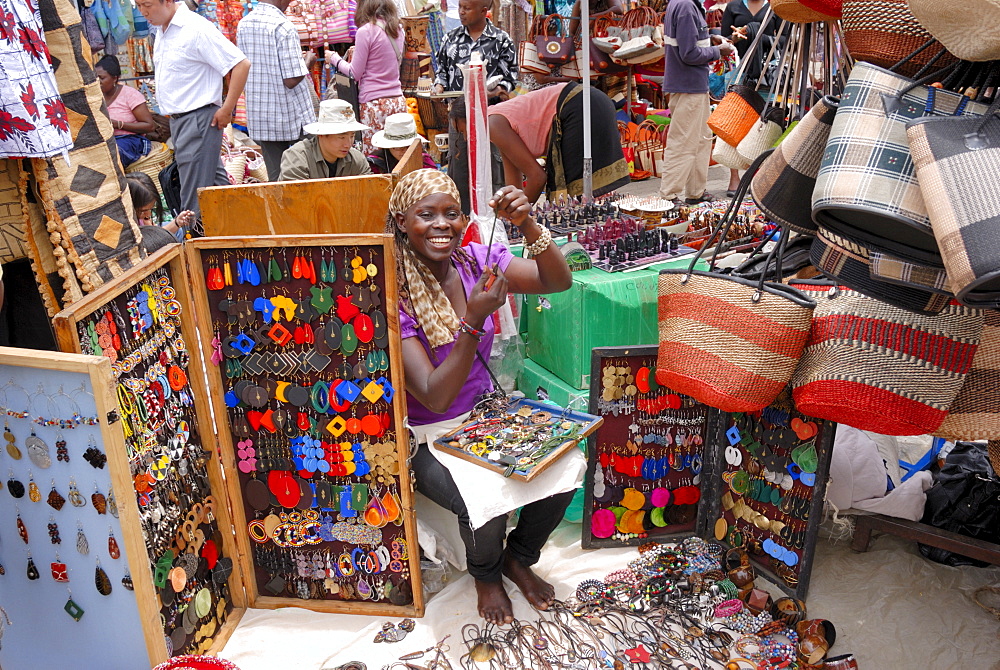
(496, 437)
(768, 490)
(143, 322)
(647, 461)
(306, 382)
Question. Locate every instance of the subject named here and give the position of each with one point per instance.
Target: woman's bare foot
(538, 591)
(494, 604)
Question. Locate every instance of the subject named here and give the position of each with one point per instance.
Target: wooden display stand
(750, 519)
(184, 268)
(864, 524)
(680, 435)
(68, 325)
(308, 207)
(199, 255)
(35, 605)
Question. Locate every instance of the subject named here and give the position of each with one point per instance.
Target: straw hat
(335, 117)
(400, 131)
(966, 29)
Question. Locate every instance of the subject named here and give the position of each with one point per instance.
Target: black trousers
(484, 547)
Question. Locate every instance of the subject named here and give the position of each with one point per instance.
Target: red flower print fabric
(33, 120)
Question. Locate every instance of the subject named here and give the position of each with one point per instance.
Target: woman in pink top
(548, 123)
(377, 52)
(128, 111)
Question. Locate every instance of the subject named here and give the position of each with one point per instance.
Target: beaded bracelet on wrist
(541, 244)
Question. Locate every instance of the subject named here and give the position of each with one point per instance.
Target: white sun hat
(335, 117)
(400, 131)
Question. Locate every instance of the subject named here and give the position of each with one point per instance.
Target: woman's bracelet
(541, 244)
(464, 327)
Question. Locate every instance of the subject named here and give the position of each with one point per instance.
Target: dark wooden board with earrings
(143, 322)
(306, 379)
(768, 490)
(648, 462)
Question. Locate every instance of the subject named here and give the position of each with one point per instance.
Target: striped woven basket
(880, 368)
(726, 344)
(975, 414)
(884, 32)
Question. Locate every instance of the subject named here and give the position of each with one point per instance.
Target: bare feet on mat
(538, 591)
(494, 604)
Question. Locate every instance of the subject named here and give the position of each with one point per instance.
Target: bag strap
(738, 77)
(395, 47)
(770, 53)
(730, 215)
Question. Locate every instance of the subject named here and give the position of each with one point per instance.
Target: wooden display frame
(102, 385)
(761, 562)
(638, 357)
(67, 336)
(203, 314)
(590, 423)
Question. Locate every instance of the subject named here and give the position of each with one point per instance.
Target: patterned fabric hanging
(33, 121)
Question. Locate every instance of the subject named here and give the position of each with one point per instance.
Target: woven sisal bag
(729, 342)
(885, 32)
(967, 29)
(784, 178)
(975, 414)
(880, 368)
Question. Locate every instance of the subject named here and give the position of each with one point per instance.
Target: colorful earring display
(301, 346)
(773, 471)
(141, 332)
(644, 478)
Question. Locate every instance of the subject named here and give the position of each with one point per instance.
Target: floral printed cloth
(33, 120)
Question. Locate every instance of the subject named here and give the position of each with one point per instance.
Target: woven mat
(89, 213)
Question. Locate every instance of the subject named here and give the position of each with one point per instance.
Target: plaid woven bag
(896, 281)
(879, 368)
(975, 414)
(729, 342)
(867, 186)
(779, 185)
(957, 161)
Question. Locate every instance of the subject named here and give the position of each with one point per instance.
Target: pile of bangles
(688, 605)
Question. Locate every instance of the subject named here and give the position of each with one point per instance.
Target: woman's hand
(512, 204)
(484, 301)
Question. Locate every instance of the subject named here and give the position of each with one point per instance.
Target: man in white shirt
(190, 57)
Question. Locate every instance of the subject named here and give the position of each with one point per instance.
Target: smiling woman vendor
(445, 319)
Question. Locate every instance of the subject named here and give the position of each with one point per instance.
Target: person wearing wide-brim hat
(329, 150)
(392, 142)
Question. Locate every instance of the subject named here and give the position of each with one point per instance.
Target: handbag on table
(639, 26)
(527, 54)
(877, 367)
(727, 341)
(957, 162)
